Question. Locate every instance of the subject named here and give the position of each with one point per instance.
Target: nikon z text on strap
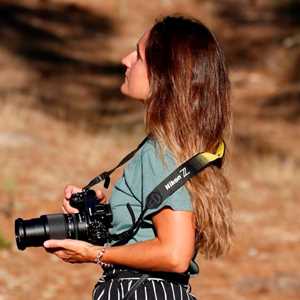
(170, 184)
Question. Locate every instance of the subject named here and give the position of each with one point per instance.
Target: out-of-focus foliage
(4, 244)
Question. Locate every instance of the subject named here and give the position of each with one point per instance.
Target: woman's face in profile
(136, 84)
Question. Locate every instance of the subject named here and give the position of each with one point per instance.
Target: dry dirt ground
(62, 120)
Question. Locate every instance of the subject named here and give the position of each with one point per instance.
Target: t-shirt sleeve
(154, 171)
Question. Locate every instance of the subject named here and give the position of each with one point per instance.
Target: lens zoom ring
(57, 226)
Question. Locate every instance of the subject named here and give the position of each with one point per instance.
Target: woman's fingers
(69, 191)
(72, 251)
(101, 196)
(67, 208)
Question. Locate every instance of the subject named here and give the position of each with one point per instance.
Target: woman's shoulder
(150, 145)
(156, 153)
(156, 162)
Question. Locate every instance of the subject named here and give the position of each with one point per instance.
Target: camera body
(96, 215)
(90, 224)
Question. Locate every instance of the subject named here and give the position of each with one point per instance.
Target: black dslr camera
(90, 224)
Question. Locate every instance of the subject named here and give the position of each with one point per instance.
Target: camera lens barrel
(34, 232)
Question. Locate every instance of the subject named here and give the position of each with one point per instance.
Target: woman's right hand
(69, 191)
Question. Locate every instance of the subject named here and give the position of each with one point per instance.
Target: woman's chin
(123, 89)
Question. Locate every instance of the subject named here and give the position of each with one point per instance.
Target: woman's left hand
(72, 251)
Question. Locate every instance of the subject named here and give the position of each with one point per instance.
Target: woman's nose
(127, 60)
(124, 61)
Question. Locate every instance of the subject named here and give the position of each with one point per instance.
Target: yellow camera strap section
(207, 158)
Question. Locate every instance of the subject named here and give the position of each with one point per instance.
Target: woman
(178, 71)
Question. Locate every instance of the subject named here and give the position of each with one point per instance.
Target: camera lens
(30, 232)
(34, 232)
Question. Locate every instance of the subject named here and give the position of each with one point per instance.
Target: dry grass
(43, 148)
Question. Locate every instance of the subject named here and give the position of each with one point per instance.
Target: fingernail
(46, 244)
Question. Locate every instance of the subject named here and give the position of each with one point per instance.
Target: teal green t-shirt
(142, 174)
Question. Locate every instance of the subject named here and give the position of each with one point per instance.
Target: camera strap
(182, 174)
(106, 175)
(171, 184)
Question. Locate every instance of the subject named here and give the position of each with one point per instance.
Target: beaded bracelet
(99, 256)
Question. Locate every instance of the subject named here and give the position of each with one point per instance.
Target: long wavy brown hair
(188, 111)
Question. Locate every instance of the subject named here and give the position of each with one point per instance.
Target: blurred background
(63, 120)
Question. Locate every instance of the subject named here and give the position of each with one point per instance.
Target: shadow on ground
(264, 36)
(284, 105)
(251, 30)
(65, 47)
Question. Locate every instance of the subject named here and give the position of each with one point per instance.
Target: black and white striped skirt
(131, 288)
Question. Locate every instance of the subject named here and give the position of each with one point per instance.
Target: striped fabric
(150, 289)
